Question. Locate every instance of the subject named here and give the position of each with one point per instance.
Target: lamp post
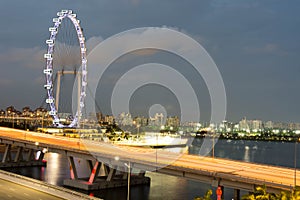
(137, 126)
(138, 130)
(295, 163)
(128, 178)
(43, 121)
(213, 146)
(13, 121)
(25, 125)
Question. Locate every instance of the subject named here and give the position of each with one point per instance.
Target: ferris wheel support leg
(57, 90)
(78, 97)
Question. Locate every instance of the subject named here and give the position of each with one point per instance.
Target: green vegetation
(263, 136)
(207, 196)
(261, 193)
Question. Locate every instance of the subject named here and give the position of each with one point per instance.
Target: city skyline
(254, 44)
(156, 119)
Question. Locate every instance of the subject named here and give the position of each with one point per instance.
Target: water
(170, 187)
(266, 152)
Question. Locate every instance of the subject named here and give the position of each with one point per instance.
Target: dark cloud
(254, 43)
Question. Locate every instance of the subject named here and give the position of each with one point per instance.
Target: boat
(155, 140)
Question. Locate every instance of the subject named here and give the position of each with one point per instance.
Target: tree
(207, 196)
(293, 195)
(260, 193)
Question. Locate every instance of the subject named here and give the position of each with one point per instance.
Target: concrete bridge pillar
(94, 172)
(111, 176)
(90, 164)
(106, 169)
(30, 155)
(73, 171)
(20, 156)
(7, 154)
(236, 193)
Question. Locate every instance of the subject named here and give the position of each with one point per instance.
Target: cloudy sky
(255, 44)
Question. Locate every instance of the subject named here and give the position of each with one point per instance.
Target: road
(235, 171)
(13, 191)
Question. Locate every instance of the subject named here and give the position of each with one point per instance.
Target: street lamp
(43, 121)
(13, 121)
(128, 183)
(295, 162)
(117, 158)
(138, 130)
(213, 146)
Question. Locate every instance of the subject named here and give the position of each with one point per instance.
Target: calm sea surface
(169, 187)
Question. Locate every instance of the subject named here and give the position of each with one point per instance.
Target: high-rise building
(269, 124)
(109, 119)
(157, 120)
(256, 124)
(243, 124)
(173, 122)
(124, 119)
(140, 121)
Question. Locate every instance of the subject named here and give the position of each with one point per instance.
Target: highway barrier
(44, 187)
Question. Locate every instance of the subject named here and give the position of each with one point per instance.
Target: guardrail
(44, 187)
(245, 179)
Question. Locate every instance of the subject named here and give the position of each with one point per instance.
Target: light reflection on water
(56, 168)
(246, 155)
(170, 187)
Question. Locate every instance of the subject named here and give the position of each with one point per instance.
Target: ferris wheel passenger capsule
(64, 11)
(50, 100)
(53, 29)
(48, 71)
(60, 14)
(70, 11)
(48, 87)
(55, 20)
(73, 15)
(48, 55)
(82, 40)
(49, 41)
(52, 112)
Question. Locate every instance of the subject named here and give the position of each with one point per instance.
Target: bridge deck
(229, 173)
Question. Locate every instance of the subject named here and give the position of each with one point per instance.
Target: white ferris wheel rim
(49, 67)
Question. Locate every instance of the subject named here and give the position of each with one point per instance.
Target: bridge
(113, 161)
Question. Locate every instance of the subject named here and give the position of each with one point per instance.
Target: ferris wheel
(49, 71)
